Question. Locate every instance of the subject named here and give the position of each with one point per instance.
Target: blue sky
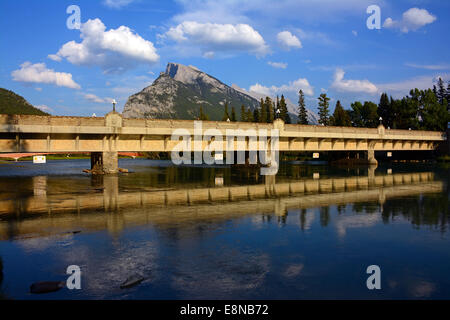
(269, 47)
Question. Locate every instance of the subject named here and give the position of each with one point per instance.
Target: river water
(310, 232)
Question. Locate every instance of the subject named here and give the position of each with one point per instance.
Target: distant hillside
(11, 103)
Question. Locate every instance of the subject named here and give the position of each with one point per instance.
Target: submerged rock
(46, 286)
(131, 282)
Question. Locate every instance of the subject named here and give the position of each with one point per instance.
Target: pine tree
(284, 114)
(448, 96)
(233, 115)
(225, 115)
(202, 116)
(244, 117)
(385, 110)
(302, 114)
(340, 117)
(441, 92)
(255, 115)
(262, 112)
(270, 106)
(250, 115)
(324, 109)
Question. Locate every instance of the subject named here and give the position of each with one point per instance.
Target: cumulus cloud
(412, 20)
(288, 40)
(39, 73)
(213, 37)
(116, 4)
(291, 87)
(342, 85)
(93, 98)
(115, 50)
(280, 65)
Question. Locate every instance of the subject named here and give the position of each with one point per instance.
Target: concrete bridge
(45, 213)
(105, 137)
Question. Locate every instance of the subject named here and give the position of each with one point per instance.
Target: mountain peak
(182, 73)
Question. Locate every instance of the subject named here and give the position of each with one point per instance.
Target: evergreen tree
(340, 117)
(262, 112)
(434, 115)
(270, 106)
(255, 115)
(441, 92)
(284, 114)
(448, 96)
(385, 110)
(324, 113)
(250, 115)
(202, 116)
(302, 114)
(364, 115)
(225, 115)
(233, 115)
(244, 117)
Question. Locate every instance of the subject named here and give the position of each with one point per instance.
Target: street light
(114, 105)
(381, 120)
(278, 113)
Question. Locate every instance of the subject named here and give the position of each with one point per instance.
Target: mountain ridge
(180, 91)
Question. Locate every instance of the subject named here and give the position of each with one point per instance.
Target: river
(310, 232)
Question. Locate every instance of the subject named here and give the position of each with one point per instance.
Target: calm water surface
(220, 233)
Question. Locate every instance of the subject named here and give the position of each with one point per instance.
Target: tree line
(421, 110)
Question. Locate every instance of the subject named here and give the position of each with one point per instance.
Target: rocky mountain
(180, 91)
(12, 103)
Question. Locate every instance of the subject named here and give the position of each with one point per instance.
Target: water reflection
(47, 212)
(214, 233)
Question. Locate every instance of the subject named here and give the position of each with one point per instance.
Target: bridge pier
(371, 157)
(104, 162)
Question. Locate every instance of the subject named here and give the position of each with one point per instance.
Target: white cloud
(55, 57)
(315, 37)
(291, 87)
(93, 98)
(115, 50)
(428, 66)
(402, 88)
(280, 65)
(355, 33)
(212, 37)
(412, 20)
(39, 73)
(44, 108)
(116, 4)
(288, 40)
(342, 85)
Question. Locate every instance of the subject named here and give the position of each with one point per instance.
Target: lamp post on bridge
(114, 102)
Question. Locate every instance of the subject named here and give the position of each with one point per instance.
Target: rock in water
(131, 282)
(46, 286)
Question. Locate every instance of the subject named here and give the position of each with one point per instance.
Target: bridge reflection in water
(42, 214)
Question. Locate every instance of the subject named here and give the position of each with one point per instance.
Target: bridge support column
(371, 157)
(104, 162)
